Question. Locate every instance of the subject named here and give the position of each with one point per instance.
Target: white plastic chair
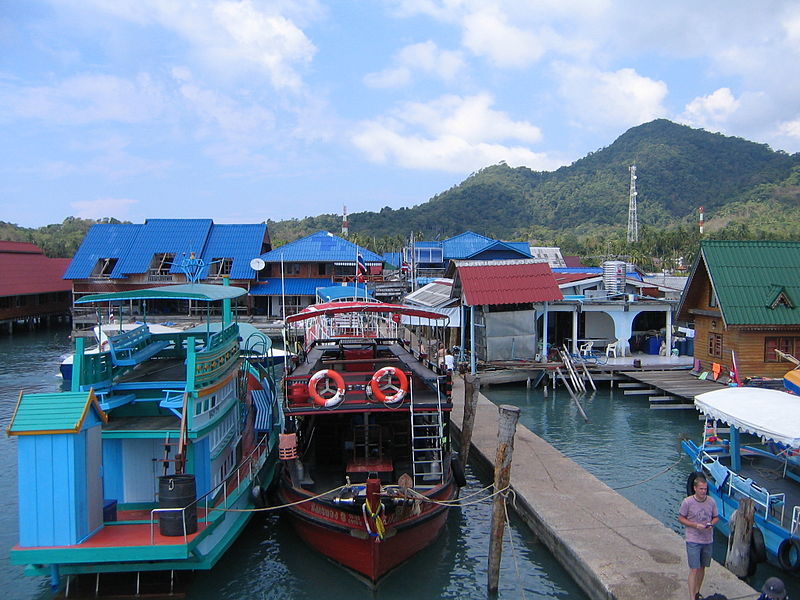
(586, 349)
(611, 349)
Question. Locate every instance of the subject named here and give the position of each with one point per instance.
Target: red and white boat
(369, 473)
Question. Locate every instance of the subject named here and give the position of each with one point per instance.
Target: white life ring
(378, 386)
(328, 396)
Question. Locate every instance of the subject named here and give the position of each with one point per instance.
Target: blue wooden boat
(153, 458)
(759, 459)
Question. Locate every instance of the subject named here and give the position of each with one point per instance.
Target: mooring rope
(669, 468)
(268, 508)
(520, 585)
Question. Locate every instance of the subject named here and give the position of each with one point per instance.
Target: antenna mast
(633, 221)
(345, 226)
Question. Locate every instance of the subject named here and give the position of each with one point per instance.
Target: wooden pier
(667, 389)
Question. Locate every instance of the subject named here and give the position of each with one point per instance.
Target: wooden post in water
(472, 389)
(509, 415)
(737, 560)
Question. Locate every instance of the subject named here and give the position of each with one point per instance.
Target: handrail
(256, 453)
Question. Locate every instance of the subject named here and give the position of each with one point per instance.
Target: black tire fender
(458, 471)
(789, 554)
(758, 549)
(257, 496)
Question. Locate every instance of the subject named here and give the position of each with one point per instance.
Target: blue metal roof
(164, 236)
(351, 290)
(464, 245)
(393, 258)
(497, 250)
(292, 286)
(103, 240)
(242, 243)
(320, 247)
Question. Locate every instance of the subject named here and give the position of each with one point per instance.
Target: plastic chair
(586, 349)
(611, 349)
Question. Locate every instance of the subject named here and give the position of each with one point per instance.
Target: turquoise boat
(759, 459)
(157, 454)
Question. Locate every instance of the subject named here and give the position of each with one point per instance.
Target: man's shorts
(699, 554)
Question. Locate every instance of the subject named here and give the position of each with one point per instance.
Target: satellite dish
(257, 264)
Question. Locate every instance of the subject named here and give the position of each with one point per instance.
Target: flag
(405, 268)
(361, 268)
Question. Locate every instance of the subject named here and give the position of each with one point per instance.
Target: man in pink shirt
(698, 513)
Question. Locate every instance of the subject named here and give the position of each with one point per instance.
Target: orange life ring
(328, 376)
(378, 389)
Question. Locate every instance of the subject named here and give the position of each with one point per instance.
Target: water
(628, 446)
(268, 561)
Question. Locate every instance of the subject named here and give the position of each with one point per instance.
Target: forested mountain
(748, 190)
(679, 169)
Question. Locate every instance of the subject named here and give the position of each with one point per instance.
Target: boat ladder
(427, 433)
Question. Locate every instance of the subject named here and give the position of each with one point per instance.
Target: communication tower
(633, 221)
(345, 226)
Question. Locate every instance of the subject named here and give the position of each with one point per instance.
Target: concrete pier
(611, 548)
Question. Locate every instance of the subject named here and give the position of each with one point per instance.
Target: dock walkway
(679, 386)
(611, 548)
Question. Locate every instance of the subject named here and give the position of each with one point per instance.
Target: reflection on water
(268, 561)
(627, 445)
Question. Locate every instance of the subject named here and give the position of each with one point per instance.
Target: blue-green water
(626, 444)
(268, 561)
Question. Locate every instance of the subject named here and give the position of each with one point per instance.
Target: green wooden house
(744, 300)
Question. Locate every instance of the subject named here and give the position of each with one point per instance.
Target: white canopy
(772, 414)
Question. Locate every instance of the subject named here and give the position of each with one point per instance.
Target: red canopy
(332, 308)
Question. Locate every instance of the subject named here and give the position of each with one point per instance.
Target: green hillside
(679, 169)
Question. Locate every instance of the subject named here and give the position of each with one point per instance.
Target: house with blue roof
(430, 259)
(120, 257)
(293, 273)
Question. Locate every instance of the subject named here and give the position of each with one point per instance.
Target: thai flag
(361, 268)
(405, 268)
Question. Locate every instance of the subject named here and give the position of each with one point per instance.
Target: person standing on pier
(698, 514)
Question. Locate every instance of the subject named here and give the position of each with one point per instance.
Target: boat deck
(157, 371)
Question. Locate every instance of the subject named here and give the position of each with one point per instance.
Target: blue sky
(243, 111)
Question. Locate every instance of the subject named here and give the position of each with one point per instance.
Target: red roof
(563, 278)
(508, 283)
(27, 271)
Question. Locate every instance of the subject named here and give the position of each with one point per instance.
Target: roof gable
(498, 250)
(63, 412)
(242, 243)
(755, 282)
(506, 282)
(464, 245)
(321, 246)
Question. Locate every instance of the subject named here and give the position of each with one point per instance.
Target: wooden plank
(630, 385)
(670, 406)
(643, 392)
(662, 398)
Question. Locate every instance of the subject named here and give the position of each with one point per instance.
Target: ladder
(427, 433)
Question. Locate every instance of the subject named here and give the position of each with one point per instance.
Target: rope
(268, 508)
(669, 468)
(457, 501)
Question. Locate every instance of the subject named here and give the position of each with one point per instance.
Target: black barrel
(177, 491)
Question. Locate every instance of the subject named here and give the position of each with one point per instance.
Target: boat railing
(244, 473)
(795, 520)
(741, 486)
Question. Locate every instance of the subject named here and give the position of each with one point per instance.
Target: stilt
(472, 390)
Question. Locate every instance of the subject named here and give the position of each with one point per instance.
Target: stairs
(427, 431)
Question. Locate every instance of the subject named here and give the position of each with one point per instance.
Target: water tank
(614, 276)
(177, 491)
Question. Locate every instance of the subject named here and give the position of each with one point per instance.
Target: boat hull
(791, 381)
(341, 534)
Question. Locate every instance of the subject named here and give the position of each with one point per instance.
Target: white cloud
(610, 99)
(85, 99)
(790, 129)
(119, 208)
(426, 58)
(711, 111)
(231, 36)
(449, 134)
(486, 33)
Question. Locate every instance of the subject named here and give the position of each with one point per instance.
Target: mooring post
(472, 389)
(509, 415)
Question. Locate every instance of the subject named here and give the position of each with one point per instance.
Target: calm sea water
(268, 561)
(627, 445)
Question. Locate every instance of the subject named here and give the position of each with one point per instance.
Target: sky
(243, 111)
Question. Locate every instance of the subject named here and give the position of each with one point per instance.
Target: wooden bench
(134, 346)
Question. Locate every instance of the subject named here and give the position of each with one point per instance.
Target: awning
(291, 286)
(332, 308)
(772, 414)
(201, 292)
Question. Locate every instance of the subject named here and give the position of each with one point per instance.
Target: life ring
(400, 389)
(328, 376)
(758, 550)
(789, 554)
